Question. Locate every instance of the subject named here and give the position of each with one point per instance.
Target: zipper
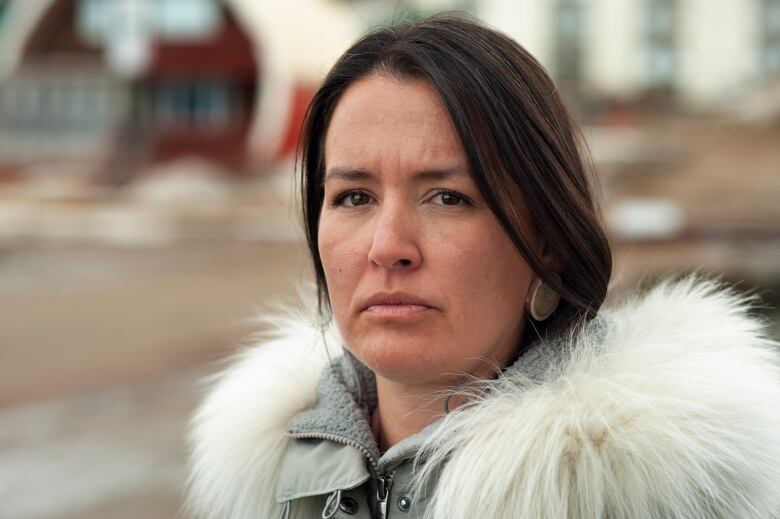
(383, 485)
(339, 439)
(383, 481)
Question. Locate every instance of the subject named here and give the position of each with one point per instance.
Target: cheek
(489, 280)
(507, 278)
(488, 259)
(340, 253)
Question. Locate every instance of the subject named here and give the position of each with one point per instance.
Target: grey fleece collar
(346, 396)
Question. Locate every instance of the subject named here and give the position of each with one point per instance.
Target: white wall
(527, 21)
(717, 47)
(614, 58)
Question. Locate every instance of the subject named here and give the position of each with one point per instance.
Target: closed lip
(393, 298)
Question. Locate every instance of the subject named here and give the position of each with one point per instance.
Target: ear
(551, 262)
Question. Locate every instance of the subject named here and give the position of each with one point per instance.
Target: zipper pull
(383, 484)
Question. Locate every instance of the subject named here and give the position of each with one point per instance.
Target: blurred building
(698, 54)
(124, 84)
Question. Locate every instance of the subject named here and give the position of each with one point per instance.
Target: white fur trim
(673, 414)
(237, 435)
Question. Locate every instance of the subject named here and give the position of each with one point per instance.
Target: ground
(102, 351)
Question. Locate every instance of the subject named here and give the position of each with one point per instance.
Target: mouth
(395, 306)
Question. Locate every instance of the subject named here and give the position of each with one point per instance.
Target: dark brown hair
(524, 151)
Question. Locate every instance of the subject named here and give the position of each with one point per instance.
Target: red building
(126, 84)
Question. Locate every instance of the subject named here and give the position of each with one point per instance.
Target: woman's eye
(353, 199)
(449, 198)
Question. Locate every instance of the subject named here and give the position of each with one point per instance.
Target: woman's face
(423, 282)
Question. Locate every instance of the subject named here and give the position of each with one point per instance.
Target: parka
(666, 405)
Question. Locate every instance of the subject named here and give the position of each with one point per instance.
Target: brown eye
(449, 198)
(353, 199)
(358, 198)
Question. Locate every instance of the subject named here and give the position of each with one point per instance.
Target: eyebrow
(353, 174)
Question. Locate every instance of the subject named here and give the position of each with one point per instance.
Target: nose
(395, 245)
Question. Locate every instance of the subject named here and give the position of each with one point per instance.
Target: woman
(461, 265)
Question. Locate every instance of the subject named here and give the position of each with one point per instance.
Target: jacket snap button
(348, 505)
(404, 503)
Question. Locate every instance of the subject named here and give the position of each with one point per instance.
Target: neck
(406, 409)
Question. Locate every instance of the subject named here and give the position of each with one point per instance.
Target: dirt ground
(79, 317)
(102, 349)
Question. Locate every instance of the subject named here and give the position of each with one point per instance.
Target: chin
(401, 359)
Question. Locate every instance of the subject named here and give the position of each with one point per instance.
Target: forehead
(383, 124)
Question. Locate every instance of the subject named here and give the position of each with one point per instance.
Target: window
(55, 106)
(167, 19)
(3, 9)
(660, 30)
(770, 29)
(186, 19)
(203, 105)
(569, 40)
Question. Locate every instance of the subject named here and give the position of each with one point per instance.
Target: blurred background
(147, 208)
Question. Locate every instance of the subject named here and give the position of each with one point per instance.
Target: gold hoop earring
(542, 300)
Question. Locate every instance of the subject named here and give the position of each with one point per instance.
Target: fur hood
(672, 410)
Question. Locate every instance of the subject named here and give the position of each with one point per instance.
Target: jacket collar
(346, 396)
(669, 409)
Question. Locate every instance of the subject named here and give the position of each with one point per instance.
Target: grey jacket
(332, 466)
(664, 406)
(333, 442)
